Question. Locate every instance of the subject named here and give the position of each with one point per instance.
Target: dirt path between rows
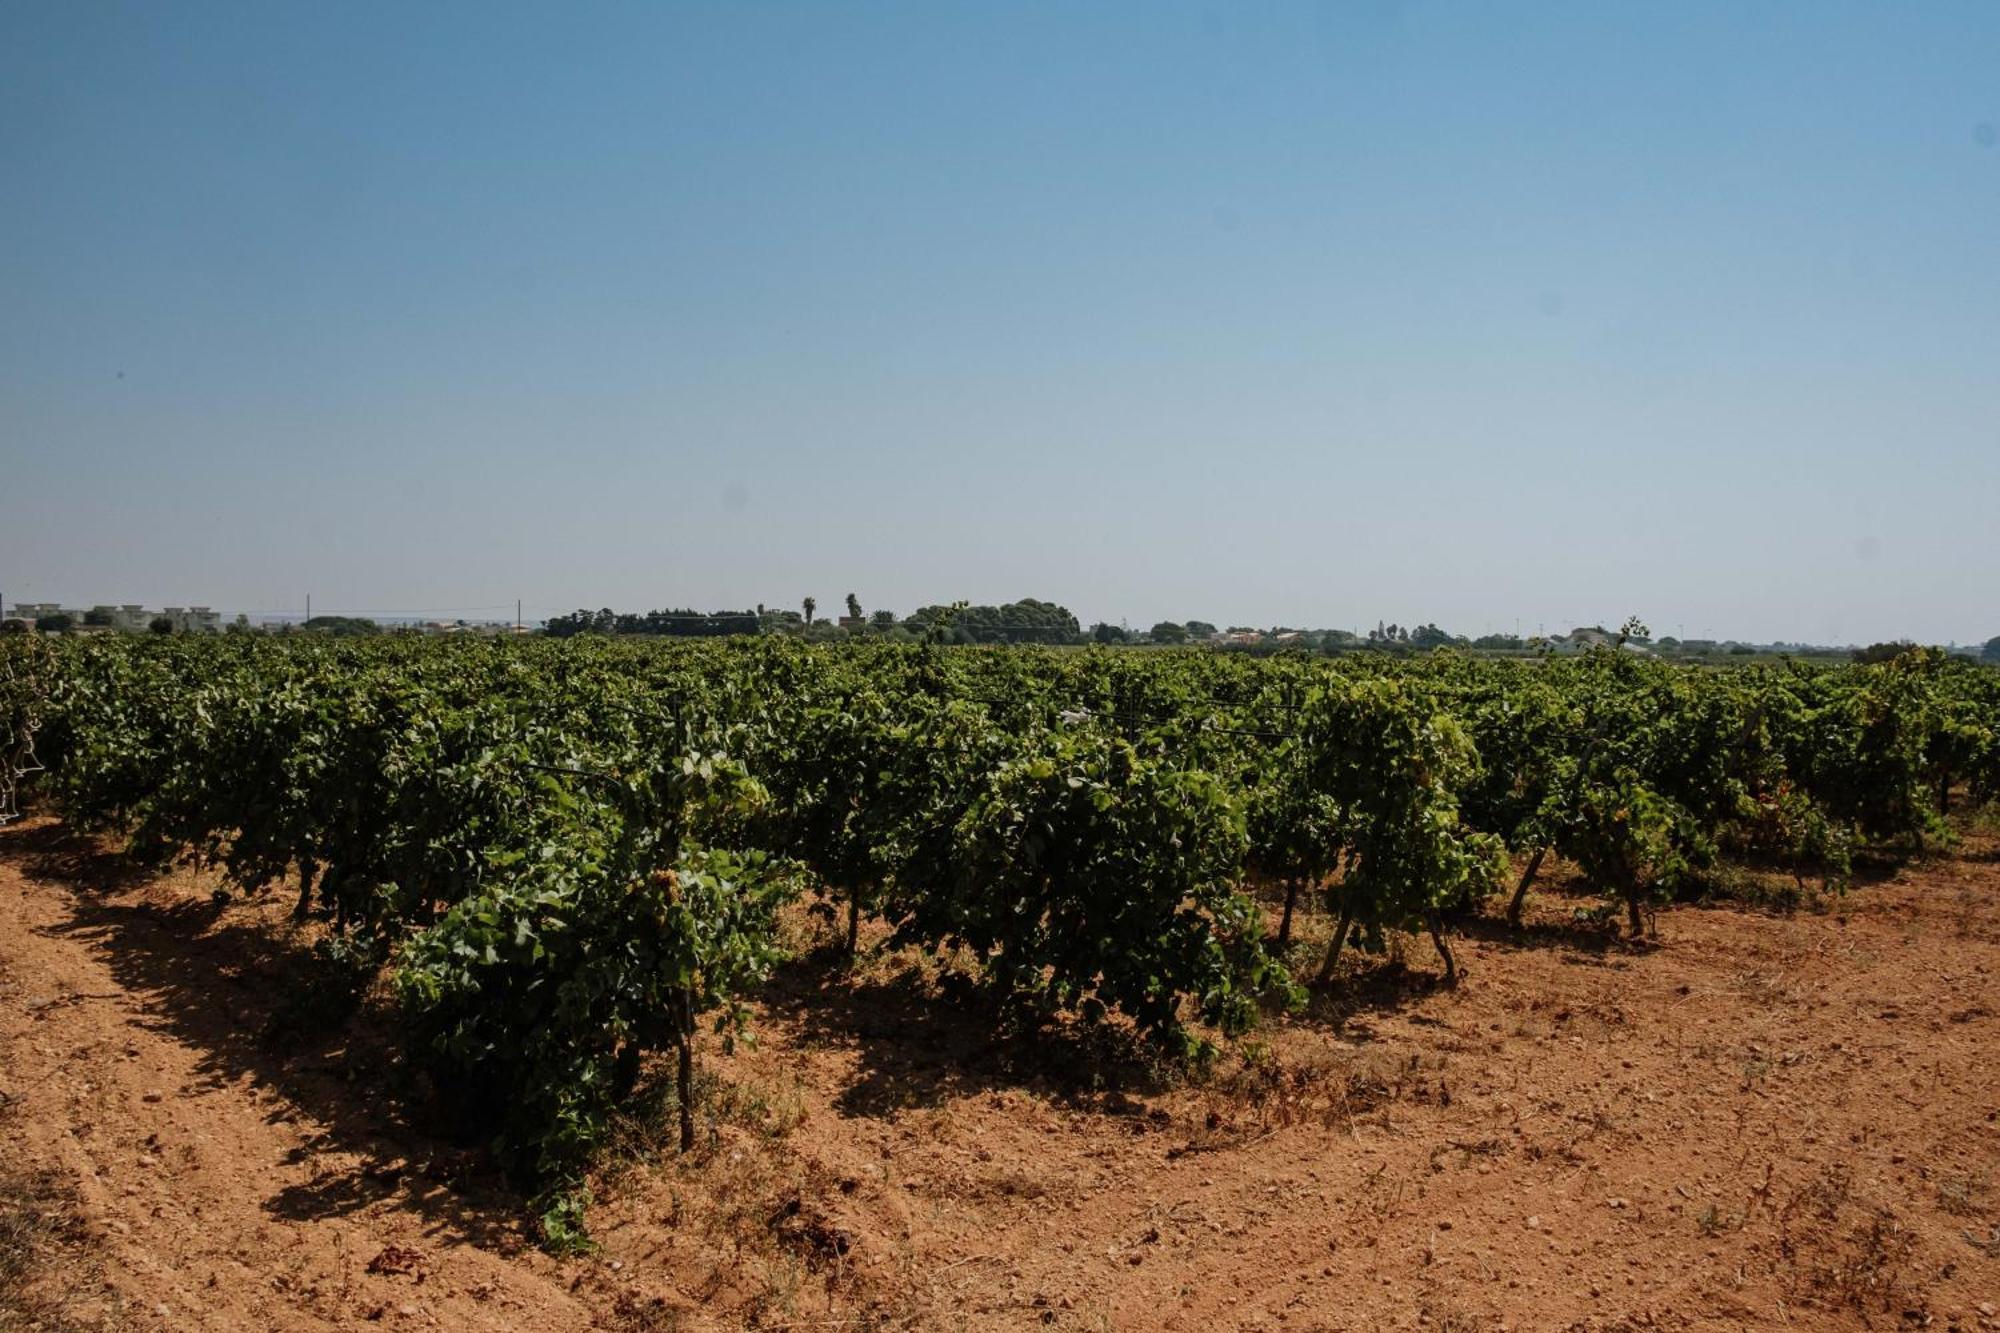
(1764, 1122)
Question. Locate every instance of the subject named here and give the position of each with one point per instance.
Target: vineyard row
(570, 854)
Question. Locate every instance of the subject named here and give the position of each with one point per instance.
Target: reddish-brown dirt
(1785, 1122)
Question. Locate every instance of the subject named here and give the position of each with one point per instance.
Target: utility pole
(309, 606)
(517, 615)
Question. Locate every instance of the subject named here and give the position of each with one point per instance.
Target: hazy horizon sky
(1320, 314)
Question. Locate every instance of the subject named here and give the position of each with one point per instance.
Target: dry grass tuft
(1842, 1252)
(1961, 1195)
(39, 1230)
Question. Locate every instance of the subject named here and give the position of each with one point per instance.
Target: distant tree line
(679, 622)
(1025, 621)
(342, 627)
(1031, 620)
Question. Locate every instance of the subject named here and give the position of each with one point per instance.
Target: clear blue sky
(1316, 314)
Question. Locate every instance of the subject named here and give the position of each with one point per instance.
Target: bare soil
(1761, 1121)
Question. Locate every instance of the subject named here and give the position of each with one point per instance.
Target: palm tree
(853, 607)
(811, 605)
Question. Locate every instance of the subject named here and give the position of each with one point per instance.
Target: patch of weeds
(807, 1234)
(1713, 1221)
(1960, 1194)
(777, 1299)
(769, 1222)
(772, 1111)
(646, 1129)
(39, 1230)
(1764, 990)
(559, 1217)
(1466, 1152)
(1600, 915)
(1842, 1252)
(647, 1122)
(1781, 895)
(633, 1314)
(1323, 1089)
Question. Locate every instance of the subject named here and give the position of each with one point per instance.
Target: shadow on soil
(1592, 939)
(923, 1040)
(207, 975)
(212, 976)
(1373, 990)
